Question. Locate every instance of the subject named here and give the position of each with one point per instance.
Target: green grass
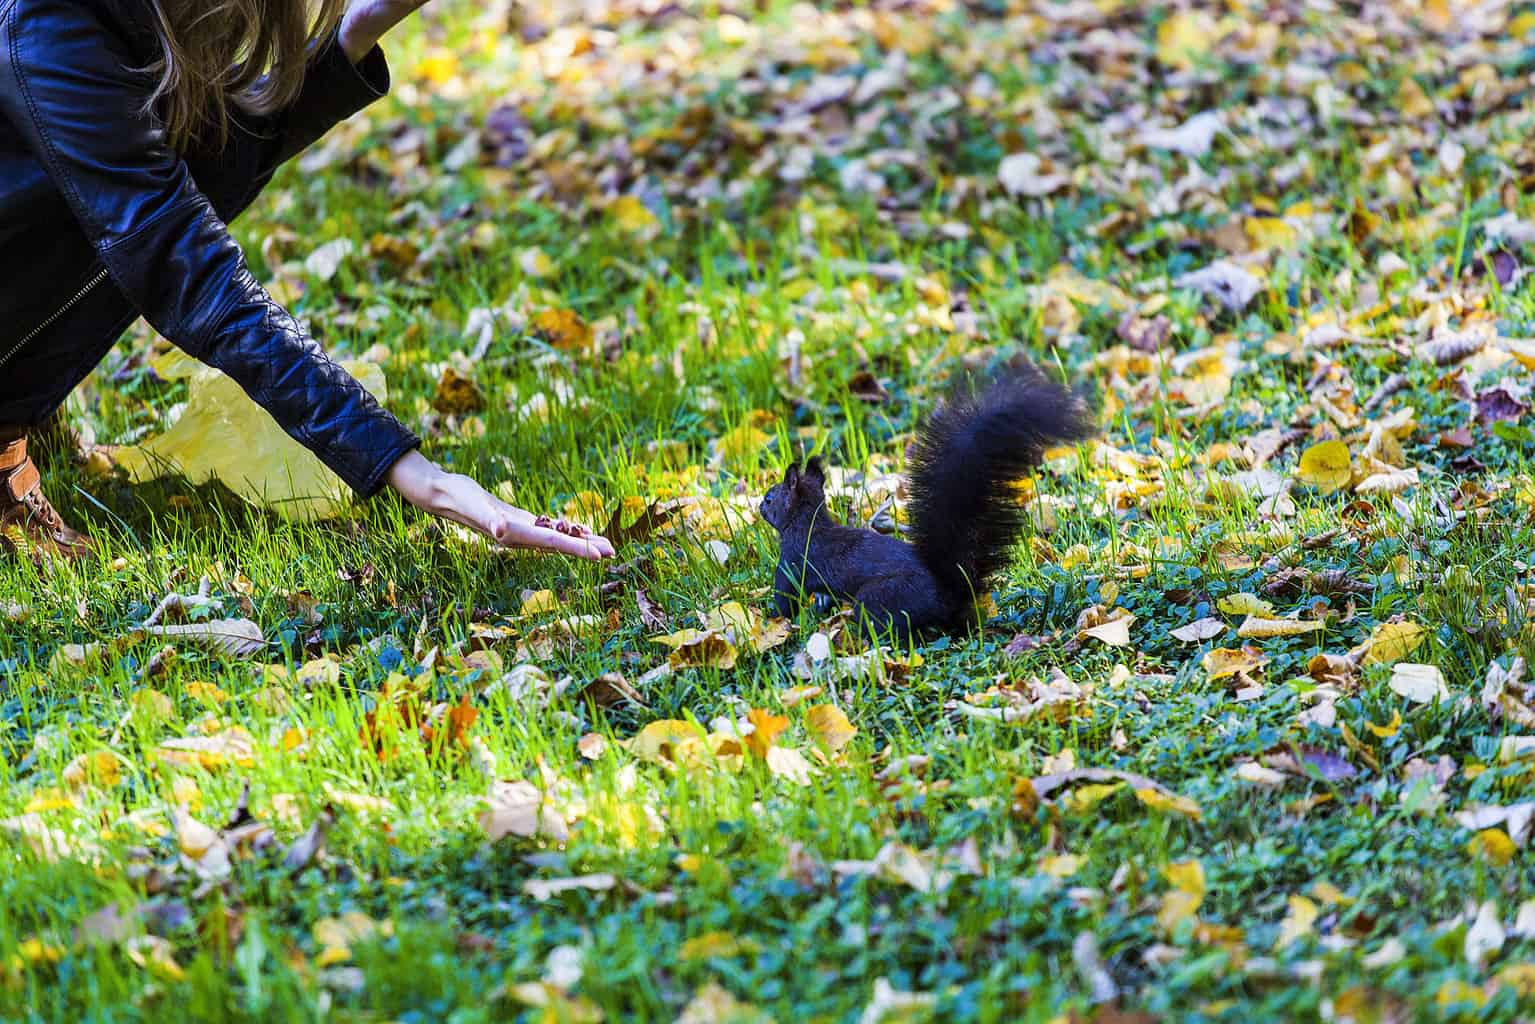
(695, 318)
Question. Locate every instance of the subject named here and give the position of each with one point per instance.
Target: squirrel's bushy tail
(965, 463)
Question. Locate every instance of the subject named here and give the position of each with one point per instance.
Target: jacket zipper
(74, 301)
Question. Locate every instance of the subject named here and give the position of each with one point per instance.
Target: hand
(366, 21)
(458, 498)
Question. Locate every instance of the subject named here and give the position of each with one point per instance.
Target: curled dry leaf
(1257, 628)
(1223, 282)
(236, 638)
(1421, 684)
(542, 889)
(829, 726)
(1225, 661)
(1029, 792)
(519, 809)
(1199, 630)
(229, 746)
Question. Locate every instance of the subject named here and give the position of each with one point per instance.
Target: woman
(131, 132)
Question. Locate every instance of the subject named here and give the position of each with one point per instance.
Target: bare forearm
(427, 486)
(367, 21)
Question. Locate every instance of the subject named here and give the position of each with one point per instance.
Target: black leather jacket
(101, 222)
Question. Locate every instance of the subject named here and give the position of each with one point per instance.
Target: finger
(517, 535)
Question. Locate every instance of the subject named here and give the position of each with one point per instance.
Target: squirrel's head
(798, 491)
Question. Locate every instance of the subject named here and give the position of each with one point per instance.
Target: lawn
(1246, 734)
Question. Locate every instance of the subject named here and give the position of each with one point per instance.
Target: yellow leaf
(519, 809)
(439, 68)
(829, 726)
(1187, 876)
(1298, 922)
(1185, 38)
(1412, 101)
(743, 442)
(155, 955)
(337, 935)
(1084, 798)
(1158, 800)
(713, 1004)
(1492, 845)
(788, 763)
(206, 692)
(1244, 604)
(586, 507)
(1327, 466)
(535, 262)
(194, 838)
(563, 329)
(657, 740)
(714, 944)
(540, 602)
(1389, 729)
(1519, 977)
(186, 793)
(33, 950)
(634, 217)
(1455, 991)
(151, 704)
(1269, 232)
(229, 746)
(101, 768)
(1256, 628)
(1393, 641)
(732, 618)
(698, 647)
(1226, 661)
(765, 729)
(50, 799)
(1062, 865)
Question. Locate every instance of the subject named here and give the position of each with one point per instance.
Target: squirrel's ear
(815, 471)
(791, 475)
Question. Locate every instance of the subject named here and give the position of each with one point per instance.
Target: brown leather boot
(28, 521)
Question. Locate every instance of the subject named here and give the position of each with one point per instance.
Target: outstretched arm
(367, 21)
(67, 87)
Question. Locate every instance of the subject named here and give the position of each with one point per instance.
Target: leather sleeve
(67, 87)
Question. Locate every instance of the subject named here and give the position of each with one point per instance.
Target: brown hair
(218, 54)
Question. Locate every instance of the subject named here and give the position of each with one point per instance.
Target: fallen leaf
(1225, 661)
(1199, 630)
(1327, 466)
(542, 889)
(1224, 282)
(1027, 174)
(519, 809)
(563, 329)
(1393, 641)
(829, 726)
(1256, 628)
(765, 729)
(1421, 684)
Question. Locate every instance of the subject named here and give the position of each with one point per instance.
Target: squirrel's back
(966, 462)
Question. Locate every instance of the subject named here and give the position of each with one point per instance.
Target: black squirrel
(964, 511)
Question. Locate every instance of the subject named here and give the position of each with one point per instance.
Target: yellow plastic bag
(223, 435)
